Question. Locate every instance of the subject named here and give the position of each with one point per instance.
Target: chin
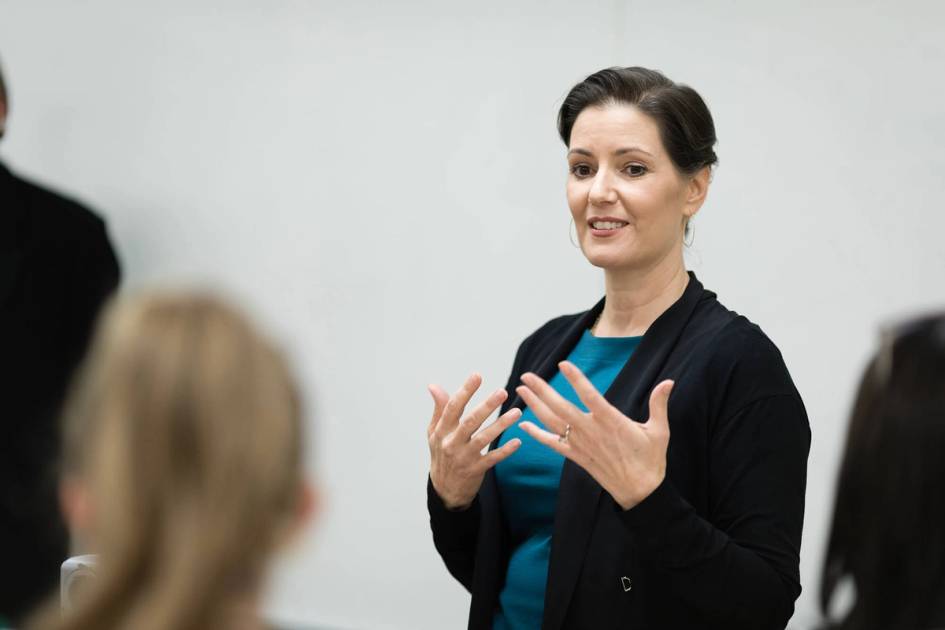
(609, 260)
(610, 257)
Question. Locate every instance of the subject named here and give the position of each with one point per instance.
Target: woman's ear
(309, 504)
(697, 189)
(75, 505)
(306, 511)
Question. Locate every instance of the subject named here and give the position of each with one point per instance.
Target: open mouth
(606, 227)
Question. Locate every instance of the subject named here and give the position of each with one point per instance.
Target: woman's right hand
(457, 465)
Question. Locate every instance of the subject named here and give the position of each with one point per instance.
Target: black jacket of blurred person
(57, 267)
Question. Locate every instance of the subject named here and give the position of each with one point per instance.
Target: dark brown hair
(684, 121)
(888, 530)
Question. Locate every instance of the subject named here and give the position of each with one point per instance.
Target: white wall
(382, 183)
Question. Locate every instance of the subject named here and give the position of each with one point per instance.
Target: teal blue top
(528, 487)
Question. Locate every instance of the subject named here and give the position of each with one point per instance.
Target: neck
(637, 297)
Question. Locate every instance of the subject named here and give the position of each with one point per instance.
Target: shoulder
(726, 340)
(743, 346)
(743, 365)
(52, 212)
(739, 339)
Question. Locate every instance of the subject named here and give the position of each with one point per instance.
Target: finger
(440, 398)
(542, 411)
(659, 406)
(493, 457)
(584, 388)
(551, 440)
(491, 432)
(483, 410)
(457, 403)
(563, 408)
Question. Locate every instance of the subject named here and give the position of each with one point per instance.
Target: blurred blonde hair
(185, 427)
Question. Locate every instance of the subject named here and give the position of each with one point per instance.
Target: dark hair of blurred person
(57, 267)
(887, 540)
(183, 467)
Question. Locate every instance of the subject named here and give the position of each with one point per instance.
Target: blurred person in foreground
(57, 267)
(184, 468)
(887, 540)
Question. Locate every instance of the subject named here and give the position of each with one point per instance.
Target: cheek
(577, 197)
(652, 207)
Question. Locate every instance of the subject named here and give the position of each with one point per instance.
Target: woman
(184, 467)
(583, 515)
(888, 534)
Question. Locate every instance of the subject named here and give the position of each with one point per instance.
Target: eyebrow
(620, 151)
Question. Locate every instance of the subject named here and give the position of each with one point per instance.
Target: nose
(602, 190)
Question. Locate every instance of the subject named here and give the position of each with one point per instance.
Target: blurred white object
(74, 576)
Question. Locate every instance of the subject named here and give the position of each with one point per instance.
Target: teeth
(607, 225)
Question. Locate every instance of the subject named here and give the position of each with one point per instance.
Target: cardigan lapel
(578, 493)
(490, 546)
(630, 391)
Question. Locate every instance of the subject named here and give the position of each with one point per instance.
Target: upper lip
(593, 220)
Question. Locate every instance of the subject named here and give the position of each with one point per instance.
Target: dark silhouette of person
(57, 267)
(884, 567)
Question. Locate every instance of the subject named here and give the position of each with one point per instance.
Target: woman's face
(628, 200)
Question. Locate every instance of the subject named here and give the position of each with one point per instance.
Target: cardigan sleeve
(456, 532)
(454, 535)
(738, 565)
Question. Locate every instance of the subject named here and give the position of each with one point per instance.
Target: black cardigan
(717, 544)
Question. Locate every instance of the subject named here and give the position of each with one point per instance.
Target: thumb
(440, 398)
(659, 405)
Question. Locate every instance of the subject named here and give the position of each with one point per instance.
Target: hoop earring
(571, 238)
(692, 235)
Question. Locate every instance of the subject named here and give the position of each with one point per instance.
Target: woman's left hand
(627, 458)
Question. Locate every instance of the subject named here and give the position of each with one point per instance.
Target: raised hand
(457, 465)
(627, 458)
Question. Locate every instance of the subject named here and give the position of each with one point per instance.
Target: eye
(581, 171)
(635, 170)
